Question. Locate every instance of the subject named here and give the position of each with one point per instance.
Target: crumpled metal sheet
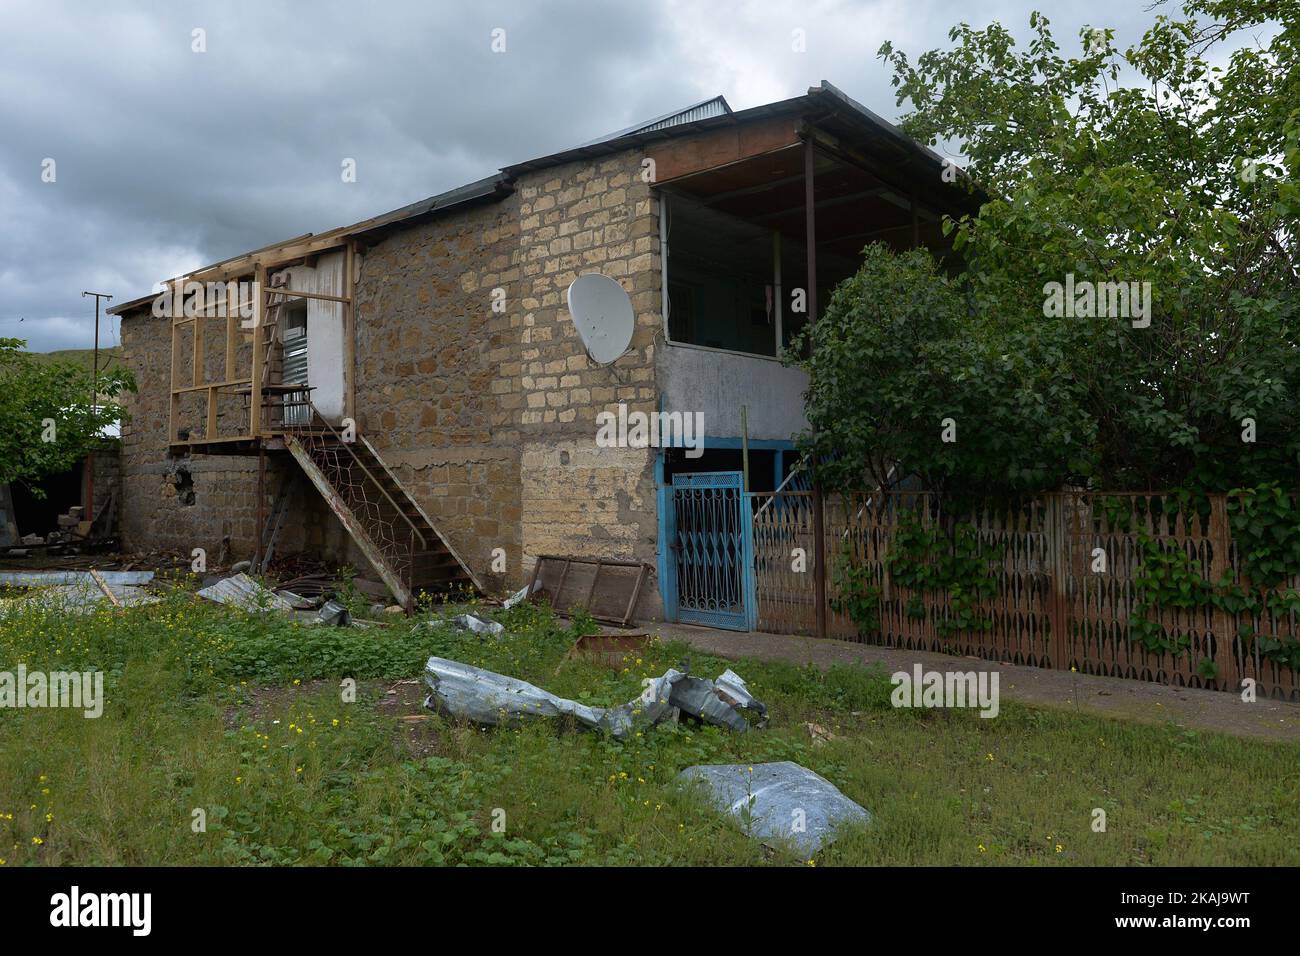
(300, 603)
(82, 597)
(718, 702)
(25, 579)
(468, 622)
(515, 598)
(334, 612)
(487, 697)
(241, 591)
(787, 803)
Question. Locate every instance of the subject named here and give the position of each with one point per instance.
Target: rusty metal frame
(599, 563)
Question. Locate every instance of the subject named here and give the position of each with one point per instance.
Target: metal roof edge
(829, 89)
(501, 183)
(644, 125)
(620, 143)
(496, 185)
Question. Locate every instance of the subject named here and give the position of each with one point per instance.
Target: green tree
(1144, 166)
(899, 386)
(47, 422)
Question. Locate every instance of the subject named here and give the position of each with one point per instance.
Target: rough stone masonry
(488, 417)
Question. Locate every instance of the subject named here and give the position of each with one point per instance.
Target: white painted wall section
(325, 352)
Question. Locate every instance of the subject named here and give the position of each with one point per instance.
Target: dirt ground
(1185, 707)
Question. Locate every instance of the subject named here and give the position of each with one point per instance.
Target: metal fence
(1052, 606)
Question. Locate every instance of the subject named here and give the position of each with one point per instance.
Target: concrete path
(1186, 707)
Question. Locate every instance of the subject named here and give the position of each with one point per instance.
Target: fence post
(1221, 623)
(1058, 569)
(819, 546)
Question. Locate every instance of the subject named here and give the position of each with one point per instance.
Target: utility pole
(94, 388)
(88, 500)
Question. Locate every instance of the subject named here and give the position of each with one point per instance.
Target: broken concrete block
(818, 734)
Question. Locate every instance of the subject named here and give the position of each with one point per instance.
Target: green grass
(242, 717)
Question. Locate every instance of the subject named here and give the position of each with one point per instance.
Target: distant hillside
(83, 357)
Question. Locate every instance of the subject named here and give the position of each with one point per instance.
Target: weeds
(241, 717)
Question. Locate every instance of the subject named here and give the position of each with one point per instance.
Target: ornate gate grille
(709, 543)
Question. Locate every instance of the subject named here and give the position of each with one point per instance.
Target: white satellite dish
(602, 313)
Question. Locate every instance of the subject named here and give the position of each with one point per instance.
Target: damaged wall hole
(180, 483)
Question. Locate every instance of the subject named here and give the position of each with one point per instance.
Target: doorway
(709, 551)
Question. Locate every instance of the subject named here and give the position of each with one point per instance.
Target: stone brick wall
(487, 416)
(578, 498)
(105, 475)
(428, 351)
(182, 504)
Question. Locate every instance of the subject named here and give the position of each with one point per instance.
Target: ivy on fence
(958, 569)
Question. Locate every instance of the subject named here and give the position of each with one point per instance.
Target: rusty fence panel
(1065, 566)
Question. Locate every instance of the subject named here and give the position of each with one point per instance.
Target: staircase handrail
(378, 484)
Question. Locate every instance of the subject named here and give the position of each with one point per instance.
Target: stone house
(411, 392)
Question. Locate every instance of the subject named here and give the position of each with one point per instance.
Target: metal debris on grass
(515, 598)
(333, 612)
(81, 597)
(30, 579)
(241, 591)
(468, 622)
(486, 697)
(720, 701)
(778, 802)
(300, 602)
(613, 649)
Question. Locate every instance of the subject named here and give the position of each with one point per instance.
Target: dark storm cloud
(168, 159)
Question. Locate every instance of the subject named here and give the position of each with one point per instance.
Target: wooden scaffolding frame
(192, 309)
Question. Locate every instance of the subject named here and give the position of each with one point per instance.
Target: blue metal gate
(710, 549)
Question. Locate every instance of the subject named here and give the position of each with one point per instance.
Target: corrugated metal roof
(707, 114)
(243, 592)
(714, 106)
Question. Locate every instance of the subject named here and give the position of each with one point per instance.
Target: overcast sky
(167, 159)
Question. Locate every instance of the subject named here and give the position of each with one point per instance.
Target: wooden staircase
(388, 525)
